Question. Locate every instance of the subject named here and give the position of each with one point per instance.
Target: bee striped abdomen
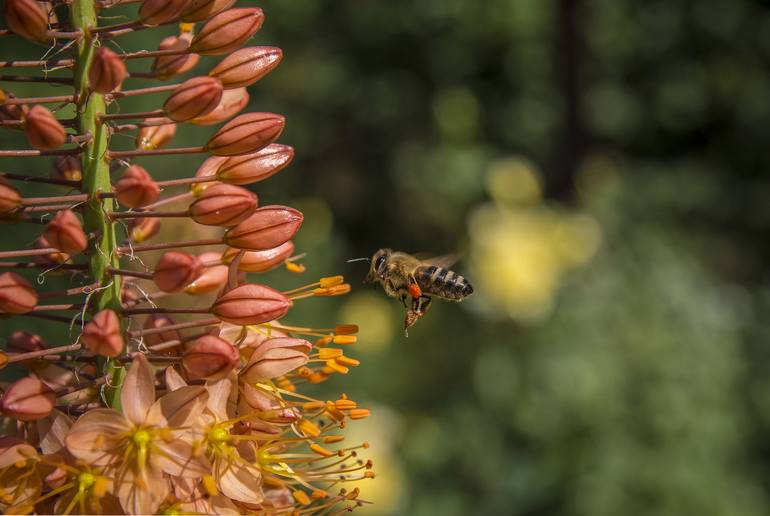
(438, 281)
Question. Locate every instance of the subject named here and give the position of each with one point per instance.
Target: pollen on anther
(345, 339)
(331, 439)
(309, 428)
(329, 353)
(301, 497)
(347, 361)
(331, 281)
(359, 413)
(336, 367)
(320, 450)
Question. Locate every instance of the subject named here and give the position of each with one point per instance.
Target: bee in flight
(415, 282)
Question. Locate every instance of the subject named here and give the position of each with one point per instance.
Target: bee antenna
(358, 260)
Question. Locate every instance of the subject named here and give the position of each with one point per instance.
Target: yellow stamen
(320, 450)
(331, 281)
(324, 341)
(309, 428)
(353, 494)
(101, 486)
(317, 378)
(296, 268)
(331, 439)
(333, 411)
(301, 497)
(336, 367)
(319, 494)
(329, 353)
(359, 413)
(347, 361)
(313, 405)
(345, 339)
(210, 484)
(346, 329)
(345, 404)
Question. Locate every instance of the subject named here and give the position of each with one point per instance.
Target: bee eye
(379, 262)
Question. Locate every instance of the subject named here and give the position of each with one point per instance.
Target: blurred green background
(601, 168)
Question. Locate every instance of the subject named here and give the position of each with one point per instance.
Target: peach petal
(138, 392)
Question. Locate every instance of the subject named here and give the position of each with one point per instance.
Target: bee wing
(445, 261)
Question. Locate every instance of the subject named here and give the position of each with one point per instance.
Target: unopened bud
(256, 166)
(28, 19)
(55, 258)
(144, 228)
(212, 279)
(223, 205)
(157, 12)
(250, 304)
(232, 103)
(24, 342)
(268, 227)
(12, 112)
(210, 357)
(65, 232)
(136, 188)
(43, 131)
(193, 98)
(155, 136)
(68, 168)
(28, 399)
(166, 67)
(276, 357)
(10, 198)
(102, 335)
(175, 270)
(160, 321)
(246, 133)
(16, 294)
(246, 66)
(227, 31)
(260, 261)
(107, 71)
(207, 169)
(199, 10)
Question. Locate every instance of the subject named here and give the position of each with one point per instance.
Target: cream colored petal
(138, 391)
(174, 380)
(177, 458)
(219, 393)
(95, 437)
(138, 500)
(178, 408)
(53, 430)
(240, 482)
(13, 450)
(221, 504)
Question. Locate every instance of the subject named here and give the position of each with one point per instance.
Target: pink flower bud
(210, 357)
(276, 357)
(160, 321)
(166, 67)
(175, 270)
(246, 133)
(246, 66)
(102, 335)
(227, 31)
(207, 169)
(193, 98)
(250, 304)
(223, 205)
(144, 228)
(54, 258)
(16, 294)
(232, 103)
(107, 71)
(28, 19)
(28, 399)
(260, 261)
(256, 166)
(155, 136)
(136, 188)
(43, 131)
(200, 10)
(65, 232)
(212, 279)
(10, 198)
(68, 168)
(268, 227)
(157, 12)
(25, 342)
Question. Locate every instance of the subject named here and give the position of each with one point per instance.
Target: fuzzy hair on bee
(415, 281)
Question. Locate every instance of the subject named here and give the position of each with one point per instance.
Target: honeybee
(415, 281)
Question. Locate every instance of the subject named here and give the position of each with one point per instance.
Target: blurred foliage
(601, 167)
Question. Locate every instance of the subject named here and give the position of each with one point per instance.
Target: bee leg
(403, 300)
(421, 304)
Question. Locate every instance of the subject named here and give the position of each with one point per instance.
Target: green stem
(96, 179)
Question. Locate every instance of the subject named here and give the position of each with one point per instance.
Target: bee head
(378, 265)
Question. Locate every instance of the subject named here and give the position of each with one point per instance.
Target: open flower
(148, 439)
